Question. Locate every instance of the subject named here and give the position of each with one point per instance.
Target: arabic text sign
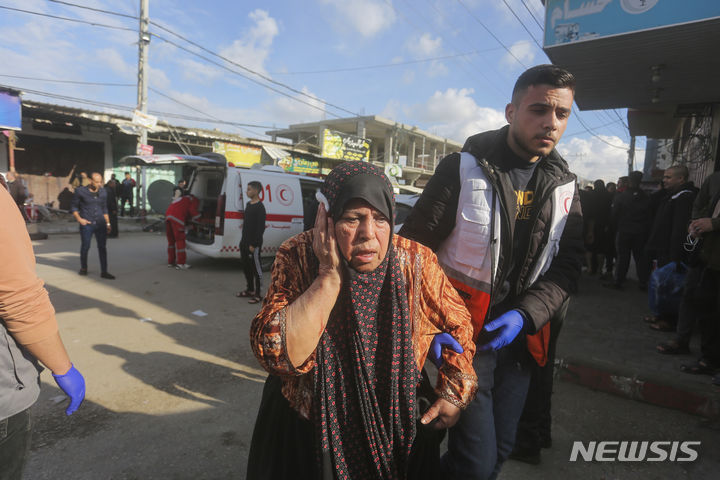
(10, 111)
(569, 21)
(299, 165)
(144, 120)
(345, 147)
(238, 155)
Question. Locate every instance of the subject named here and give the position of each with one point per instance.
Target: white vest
(472, 250)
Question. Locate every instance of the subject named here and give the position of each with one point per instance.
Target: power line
(522, 23)
(126, 108)
(385, 65)
(176, 45)
(249, 70)
(491, 33)
(593, 132)
(41, 14)
(74, 82)
(94, 9)
(532, 15)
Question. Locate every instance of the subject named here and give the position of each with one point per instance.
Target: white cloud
(368, 17)
(284, 110)
(253, 48)
(523, 51)
(454, 114)
(596, 158)
(425, 46)
(113, 59)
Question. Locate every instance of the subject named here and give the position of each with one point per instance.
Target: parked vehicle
(403, 205)
(289, 201)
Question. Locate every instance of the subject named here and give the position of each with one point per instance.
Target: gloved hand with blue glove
(443, 340)
(73, 384)
(510, 324)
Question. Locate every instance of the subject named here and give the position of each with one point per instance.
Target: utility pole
(631, 155)
(143, 44)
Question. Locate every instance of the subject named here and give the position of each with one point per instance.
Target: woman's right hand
(325, 246)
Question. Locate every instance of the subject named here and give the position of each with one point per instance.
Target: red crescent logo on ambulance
(566, 203)
(285, 195)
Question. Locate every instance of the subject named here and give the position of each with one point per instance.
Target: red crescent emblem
(566, 204)
(285, 195)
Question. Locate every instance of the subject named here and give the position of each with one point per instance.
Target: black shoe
(83, 271)
(526, 455)
(107, 275)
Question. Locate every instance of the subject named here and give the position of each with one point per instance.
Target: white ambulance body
(289, 201)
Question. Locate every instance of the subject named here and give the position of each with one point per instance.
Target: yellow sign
(238, 155)
(299, 165)
(345, 147)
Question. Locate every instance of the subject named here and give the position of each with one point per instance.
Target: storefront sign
(145, 149)
(345, 147)
(10, 111)
(299, 165)
(576, 20)
(238, 155)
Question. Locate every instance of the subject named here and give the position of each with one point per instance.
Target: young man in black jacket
(505, 221)
(251, 242)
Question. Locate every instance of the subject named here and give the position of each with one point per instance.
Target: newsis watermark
(635, 451)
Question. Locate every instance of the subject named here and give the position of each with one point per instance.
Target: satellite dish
(160, 194)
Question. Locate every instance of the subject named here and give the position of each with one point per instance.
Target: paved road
(174, 395)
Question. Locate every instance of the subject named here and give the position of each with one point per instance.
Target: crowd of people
(669, 233)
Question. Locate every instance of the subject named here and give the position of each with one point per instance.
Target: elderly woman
(344, 330)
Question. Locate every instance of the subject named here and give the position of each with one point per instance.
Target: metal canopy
(617, 72)
(211, 159)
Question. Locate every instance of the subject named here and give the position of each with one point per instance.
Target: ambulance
(220, 187)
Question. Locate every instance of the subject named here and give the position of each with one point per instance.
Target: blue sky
(443, 65)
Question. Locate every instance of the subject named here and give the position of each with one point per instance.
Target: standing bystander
(28, 334)
(90, 210)
(251, 242)
(177, 215)
(127, 190)
(17, 192)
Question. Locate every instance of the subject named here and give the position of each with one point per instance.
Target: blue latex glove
(510, 324)
(73, 384)
(442, 340)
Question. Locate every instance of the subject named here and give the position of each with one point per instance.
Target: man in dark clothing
(631, 217)
(251, 242)
(127, 190)
(701, 297)
(112, 206)
(17, 192)
(89, 207)
(610, 254)
(504, 218)
(669, 229)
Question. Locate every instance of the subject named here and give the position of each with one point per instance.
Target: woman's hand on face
(325, 245)
(446, 413)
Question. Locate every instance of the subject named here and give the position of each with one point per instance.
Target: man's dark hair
(599, 185)
(543, 75)
(635, 178)
(256, 185)
(611, 184)
(680, 170)
(127, 173)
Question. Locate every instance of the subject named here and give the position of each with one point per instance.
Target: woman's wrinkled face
(363, 235)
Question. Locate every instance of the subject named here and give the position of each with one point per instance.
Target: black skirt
(283, 442)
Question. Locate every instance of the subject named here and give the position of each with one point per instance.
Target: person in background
(180, 189)
(631, 218)
(89, 207)
(18, 192)
(113, 185)
(668, 234)
(28, 334)
(112, 206)
(623, 184)
(181, 211)
(251, 242)
(127, 190)
(610, 236)
(505, 220)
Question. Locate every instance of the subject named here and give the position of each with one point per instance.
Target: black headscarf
(366, 374)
